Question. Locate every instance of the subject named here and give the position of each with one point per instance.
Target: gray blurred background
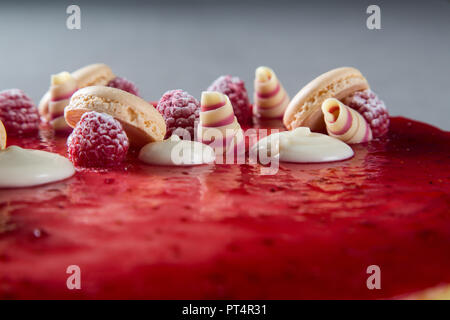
(187, 44)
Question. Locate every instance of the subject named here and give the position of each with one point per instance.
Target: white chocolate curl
(63, 85)
(218, 125)
(271, 100)
(345, 123)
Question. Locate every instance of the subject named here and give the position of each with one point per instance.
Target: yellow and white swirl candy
(271, 99)
(344, 123)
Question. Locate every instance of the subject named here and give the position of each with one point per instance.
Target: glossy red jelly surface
(225, 231)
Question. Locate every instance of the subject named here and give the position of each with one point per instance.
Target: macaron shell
(2, 136)
(304, 110)
(97, 74)
(140, 120)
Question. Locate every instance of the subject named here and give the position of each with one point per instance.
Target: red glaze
(225, 231)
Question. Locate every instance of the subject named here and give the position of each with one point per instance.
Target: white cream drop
(26, 168)
(303, 146)
(177, 152)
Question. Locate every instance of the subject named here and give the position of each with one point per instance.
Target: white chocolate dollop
(177, 152)
(303, 146)
(26, 168)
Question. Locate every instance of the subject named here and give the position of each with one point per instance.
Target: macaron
(140, 120)
(97, 74)
(305, 110)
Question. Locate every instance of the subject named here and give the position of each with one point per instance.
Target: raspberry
(180, 110)
(124, 84)
(234, 88)
(98, 140)
(18, 113)
(373, 109)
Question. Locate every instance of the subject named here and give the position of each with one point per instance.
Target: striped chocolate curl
(344, 123)
(271, 100)
(218, 125)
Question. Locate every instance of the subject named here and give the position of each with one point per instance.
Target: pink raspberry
(98, 140)
(124, 84)
(18, 113)
(234, 88)
(373, 109)
(180, 110)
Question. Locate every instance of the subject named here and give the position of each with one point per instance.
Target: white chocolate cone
(344, 123)
(270, 98)
(218, 125)
(62, 87)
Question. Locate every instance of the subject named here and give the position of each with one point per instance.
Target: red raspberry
(234, 88)
(98, 140)
(373, 109)
(180, 110)
(124, 84)
(18, 113)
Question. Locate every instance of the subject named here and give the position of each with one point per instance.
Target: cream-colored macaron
(140, 120)
(304, 110)
(97, 74)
